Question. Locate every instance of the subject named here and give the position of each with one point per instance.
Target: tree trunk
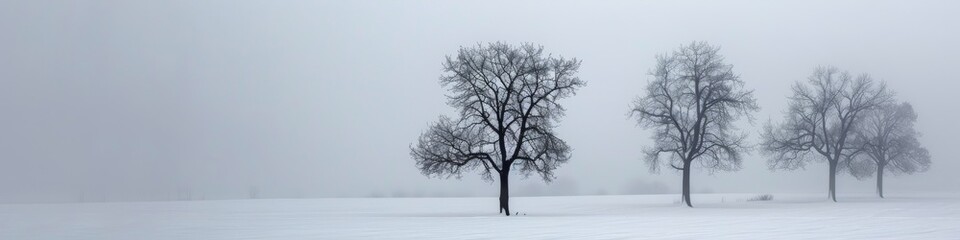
(880, 180)
(505, 191)
(686, 184)
(832, 194)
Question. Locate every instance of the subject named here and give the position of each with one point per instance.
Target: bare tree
(822, 118)
(691, 103)
(253, 192)
(507, 99)
(887, 138)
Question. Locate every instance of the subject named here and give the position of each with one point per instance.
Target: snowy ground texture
(716, 216)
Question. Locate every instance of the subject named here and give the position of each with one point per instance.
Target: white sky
(322, 98)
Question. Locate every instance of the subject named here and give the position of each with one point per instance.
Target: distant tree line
(508, 103)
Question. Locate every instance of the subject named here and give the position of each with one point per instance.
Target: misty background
(137, 100)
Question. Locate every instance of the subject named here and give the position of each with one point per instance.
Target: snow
(716, 216)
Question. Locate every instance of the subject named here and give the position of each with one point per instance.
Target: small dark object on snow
(764, 197)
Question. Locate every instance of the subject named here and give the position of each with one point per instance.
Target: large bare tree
(821, 121)
(887, 138)
(691, 103)
(507, 99)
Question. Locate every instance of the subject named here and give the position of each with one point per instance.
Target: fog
(136, 100)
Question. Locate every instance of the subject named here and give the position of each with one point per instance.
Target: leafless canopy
(692, 103)
(507, 99)
(887, 138)
(821, 118)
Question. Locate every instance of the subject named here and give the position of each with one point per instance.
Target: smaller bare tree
(888, 143)
(692, 102)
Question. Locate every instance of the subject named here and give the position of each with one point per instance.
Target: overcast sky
(323, 98)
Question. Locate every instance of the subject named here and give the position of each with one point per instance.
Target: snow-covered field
(716, 216)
